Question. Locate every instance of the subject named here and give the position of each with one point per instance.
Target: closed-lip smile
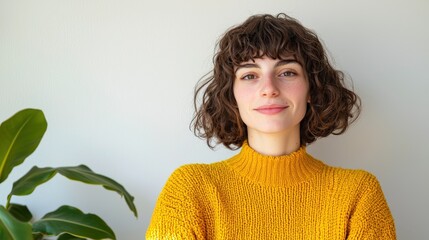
(271, 109)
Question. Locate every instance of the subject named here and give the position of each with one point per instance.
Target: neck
(283, 171)
(274, 144)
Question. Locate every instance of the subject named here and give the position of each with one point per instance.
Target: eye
(287, 74)
(248, 77)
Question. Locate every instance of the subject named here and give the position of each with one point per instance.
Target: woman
(272, 92)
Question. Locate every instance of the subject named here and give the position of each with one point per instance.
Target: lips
(271, 109)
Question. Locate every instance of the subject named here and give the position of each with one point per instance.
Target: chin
(275, 127)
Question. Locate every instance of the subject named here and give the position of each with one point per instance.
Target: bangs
(263, 38)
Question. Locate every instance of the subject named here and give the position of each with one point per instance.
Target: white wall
(115, 80)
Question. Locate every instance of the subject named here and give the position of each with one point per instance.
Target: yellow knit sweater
(252, 196)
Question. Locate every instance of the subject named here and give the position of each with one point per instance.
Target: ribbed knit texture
(252, 196)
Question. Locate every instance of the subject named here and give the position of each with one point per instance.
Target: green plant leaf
(36, 176)
(19, 137)
(13, 229)
(73, 221)
(69, 237)
(20, 212)
(33, 178)
(83, 174)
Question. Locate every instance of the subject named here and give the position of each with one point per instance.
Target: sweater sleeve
(177, 214)
(371, 218)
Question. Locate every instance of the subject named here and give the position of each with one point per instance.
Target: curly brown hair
(332, 106)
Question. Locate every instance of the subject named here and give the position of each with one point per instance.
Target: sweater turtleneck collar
(282, 171)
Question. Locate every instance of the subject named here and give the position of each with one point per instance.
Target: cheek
(302, 92)
(242, 99)
(307, 93)
(241, 96)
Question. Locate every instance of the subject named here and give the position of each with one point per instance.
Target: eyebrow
(254, 65)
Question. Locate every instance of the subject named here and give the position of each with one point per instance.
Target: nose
(269, 88)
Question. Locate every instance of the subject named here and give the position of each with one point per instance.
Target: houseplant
(19, 137)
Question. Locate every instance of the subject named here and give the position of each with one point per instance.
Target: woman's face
(271, 95)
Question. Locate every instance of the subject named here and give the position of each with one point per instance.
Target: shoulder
(356, 180)
(197, 169)
(350, 174)
(197, 173)
(359, 190)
